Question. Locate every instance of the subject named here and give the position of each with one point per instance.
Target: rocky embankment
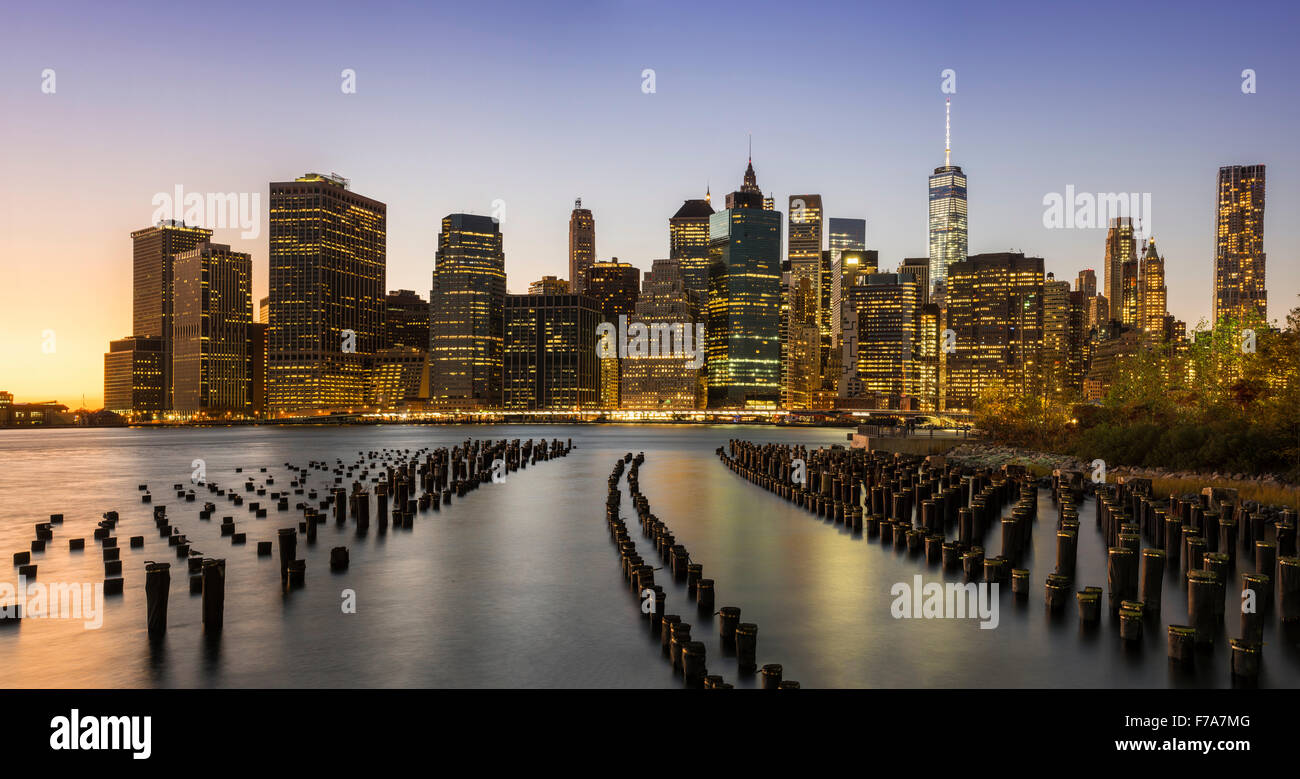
(991, 455)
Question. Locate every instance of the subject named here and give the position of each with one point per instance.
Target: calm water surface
(518, 585)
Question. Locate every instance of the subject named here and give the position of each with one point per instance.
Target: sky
(467, 107)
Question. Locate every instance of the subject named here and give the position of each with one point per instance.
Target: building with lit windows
(802, 355)
(688, 246)
(406, 320)
(582, 244)
(744, 325)
(550, 353)
(663, 378)
(1121, 266)
(327, 281)
(887, 368)
(467, 314)
(1153, 297)
(401, 378)
(549, 285)
(154, 251)
(1239, 243)
(133, 377)
(947, 216)
(211, 363)
(995, 310)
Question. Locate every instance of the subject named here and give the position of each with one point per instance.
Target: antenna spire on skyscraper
(947, 133)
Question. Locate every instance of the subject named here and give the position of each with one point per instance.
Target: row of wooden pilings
(687, 656)
(1196, 539)
(443, 473)
(907, 502)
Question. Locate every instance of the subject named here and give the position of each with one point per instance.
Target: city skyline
(1016, 133)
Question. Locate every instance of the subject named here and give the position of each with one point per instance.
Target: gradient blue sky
(460, 105)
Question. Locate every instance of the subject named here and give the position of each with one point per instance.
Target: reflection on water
(516, 585)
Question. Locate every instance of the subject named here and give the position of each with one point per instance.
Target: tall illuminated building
(154, 251)
(995, 308)
(212, 365)
(802, 354)
(888, 308)
(947, 212)
(744, 326)
(855, 265)
(614, 286)
(842, 235)
(467, 314)
(1057, 313)
(328, 249)
(582, 244)
(1153, 300)
(664, 379)
(133, 377)
(550, 353)
(1121, 267)
(688, 245)
(1239, 258)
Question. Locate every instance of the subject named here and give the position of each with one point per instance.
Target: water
(518, 584)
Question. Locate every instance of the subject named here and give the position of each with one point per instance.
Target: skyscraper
(327, 279)
(211, 362)
(744, 330)
(667, 378)
(688, 245)
(614, 286)
(1121, 267)
(155, 249)
(1086, 283)
(406, 320)
(995, 308)
(550, 353)
(842, 235)
(888, 308)
(133, 376)
(1153, 295)
(1239, 243)
(802, 369)
(1056, 336)
(467, 314)
(947, 212)
(582, 244)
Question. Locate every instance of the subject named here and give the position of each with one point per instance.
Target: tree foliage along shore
(1205, 404)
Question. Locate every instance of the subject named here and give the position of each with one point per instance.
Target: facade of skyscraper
(1153, 296)
(582, 244)
(1239, 257)
(995, 309)
(666, 379)
(855, 265)
(888, 308)
(133, 377)
(1057, 317)
(550, 353)
(801, 373)
(467, 314)
(406, 320)
(1121, 266)
(918, 268)
(842, 235)
(211, 363)
(154, 252)
(327, 280)
(947, 218)
(614, 286)
(688, 245)
(744, 326)
(257, 368)
(1086, 282)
